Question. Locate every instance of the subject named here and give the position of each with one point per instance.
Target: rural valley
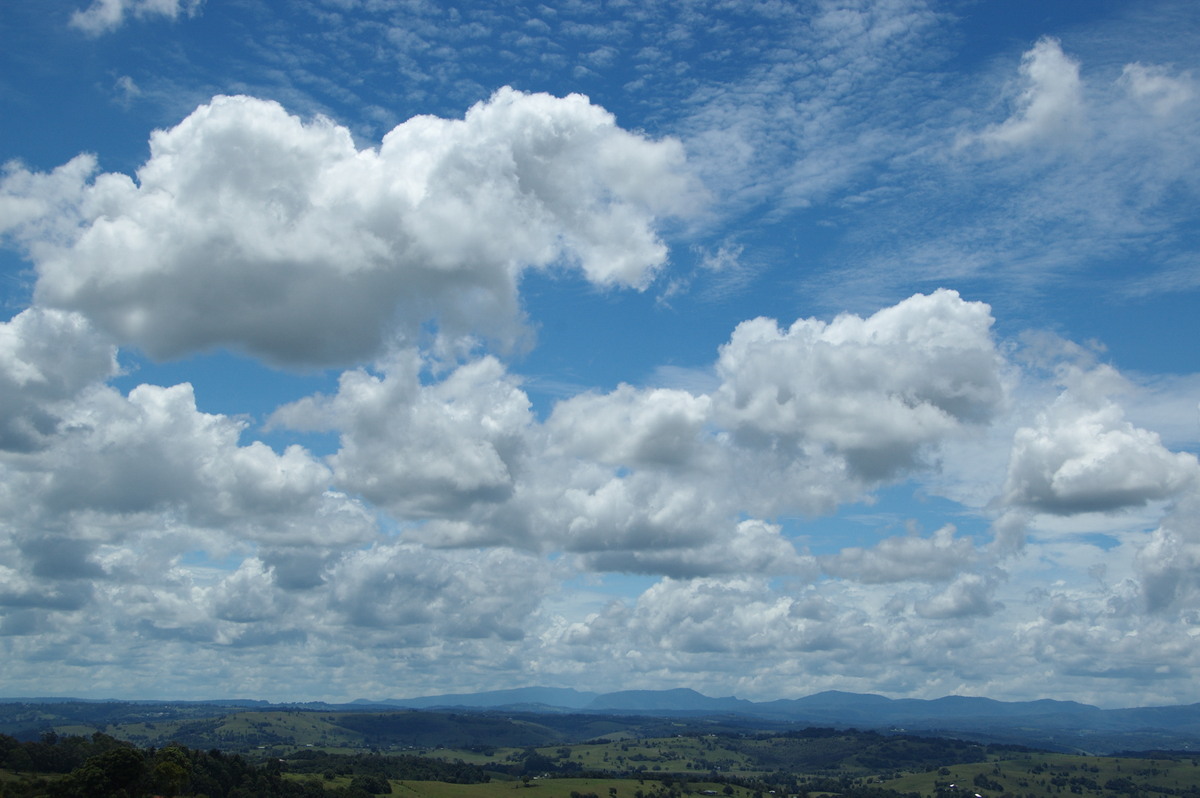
(77, 748)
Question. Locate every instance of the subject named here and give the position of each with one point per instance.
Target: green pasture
(243, 730)
(542, 788)
(533, 788)
(666, 755)
(1041, 775)
(697, 755)
(502, 756)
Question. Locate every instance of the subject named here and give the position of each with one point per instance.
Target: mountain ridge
(685, 699)
(1051, 724)
(1040, 721)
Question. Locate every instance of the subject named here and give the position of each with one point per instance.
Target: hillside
(1065, 726)
(814, 763)
(523, 717)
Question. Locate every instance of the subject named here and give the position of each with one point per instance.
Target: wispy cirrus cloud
(1077, 180)
(105, 16)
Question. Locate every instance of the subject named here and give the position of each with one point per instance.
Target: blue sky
(367, 348)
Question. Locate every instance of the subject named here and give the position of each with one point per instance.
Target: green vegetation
(812, 751)
(1039, 774)
(409, 754)
(279, 730)
(566, 788)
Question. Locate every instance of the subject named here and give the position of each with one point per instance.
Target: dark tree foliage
(102, 767)
(821, 749)
(450, 730)
(52, 753)
(372, 785)
(412, 768)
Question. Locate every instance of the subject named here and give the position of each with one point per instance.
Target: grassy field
(1032, 775)
(534, 788)
(816, 761)
(539, 788)
(1027, 776)
(831, 754)
(670, 755)
(1056, 774)
(662, 755)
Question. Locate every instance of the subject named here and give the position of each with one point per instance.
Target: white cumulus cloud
(1082, 455)
(422, 449)
(46, 358)
(1050, 105)
(873, 391)
(936, 558)
(252, 229)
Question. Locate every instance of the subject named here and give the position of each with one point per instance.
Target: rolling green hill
(813, 763)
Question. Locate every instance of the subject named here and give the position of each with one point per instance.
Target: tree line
(101, 766)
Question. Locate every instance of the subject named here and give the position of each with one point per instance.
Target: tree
(115, 771)
(171, 771)
(374, 785)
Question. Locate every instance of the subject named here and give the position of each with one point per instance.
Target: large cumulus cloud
(129, 501)
(871, 391)
(1168, 565)
(935, 558)
(422, 450)
(46, 358)
(1082, 455)
(153, 452)
(253, 229)
(659, 480)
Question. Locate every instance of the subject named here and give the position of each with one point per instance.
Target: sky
(386, 348)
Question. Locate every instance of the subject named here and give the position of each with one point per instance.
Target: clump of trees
(404, 766)
(101, 766)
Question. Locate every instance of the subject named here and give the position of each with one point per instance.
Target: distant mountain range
(1048, 724)
(1043, 723)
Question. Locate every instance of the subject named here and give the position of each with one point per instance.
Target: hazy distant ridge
(1049, 724)
(985, 717)
(550, 697)
(832, 704)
